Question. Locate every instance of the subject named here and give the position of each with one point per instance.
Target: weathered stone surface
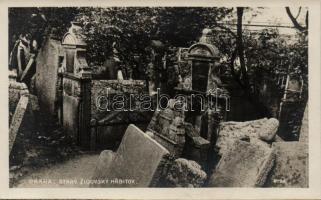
(34, 103)
(168, 128)
(70, 115)
(263, 129)
(268, 130)
(185, 173)
(16, 91)
(244, 165)
(304, 132)
(17, 120)
(48, 62)
(196, 147)
(104, 162)
(291, 165)
(102, 90)
(278, 139)
(138, 162)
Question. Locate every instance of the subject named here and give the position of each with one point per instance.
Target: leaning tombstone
(304, 131)
(139, 162)
(104, 162)
(168, 129)
(17, 120)
(243, 165)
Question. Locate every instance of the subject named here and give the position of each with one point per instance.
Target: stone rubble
(247, 159)
(185, 173)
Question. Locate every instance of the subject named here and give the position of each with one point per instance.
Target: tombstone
(76, 80)
(243, 165)
(17, 120)
(168, 128)
(197, 66)
(291, 165)
(16, 91)
(196, 147)
(105, 160)
(139, 162)
(46, 78)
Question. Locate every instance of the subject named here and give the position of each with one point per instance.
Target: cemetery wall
(107, 135)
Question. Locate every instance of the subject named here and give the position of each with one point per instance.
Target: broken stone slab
(263, 129)
(185, 173)
(291, 165)
(16, 91)
(244, 165)
(139, 162)
(196, 147)
(268, 130)
(17, 120)
(104, 162)
(168, 129)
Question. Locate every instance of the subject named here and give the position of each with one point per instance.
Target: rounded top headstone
(204, 50)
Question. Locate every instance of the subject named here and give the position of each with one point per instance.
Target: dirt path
(70, 173)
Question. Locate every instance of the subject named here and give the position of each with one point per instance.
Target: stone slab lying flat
(245, 164)
(138, 161)
(263, 129)
(17, 120)
(291, 165)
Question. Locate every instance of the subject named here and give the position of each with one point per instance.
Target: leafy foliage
(132, 29)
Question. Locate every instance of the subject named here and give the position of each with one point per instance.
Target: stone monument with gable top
(197, 66)
(76, 81)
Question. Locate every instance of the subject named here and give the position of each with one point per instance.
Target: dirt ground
(44, 153)
(72, 173)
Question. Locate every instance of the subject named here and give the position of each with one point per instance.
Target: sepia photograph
(159, 97)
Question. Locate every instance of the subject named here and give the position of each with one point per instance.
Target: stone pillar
(76, 84)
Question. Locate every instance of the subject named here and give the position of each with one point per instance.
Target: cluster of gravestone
(178, 149)
(175, 153)
(172, 154)
(23, 111)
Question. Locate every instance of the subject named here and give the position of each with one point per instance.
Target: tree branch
(240, 46)
(307, 20)
(294, 21)
(297, 15)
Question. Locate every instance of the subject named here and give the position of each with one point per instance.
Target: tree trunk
(240, 47)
